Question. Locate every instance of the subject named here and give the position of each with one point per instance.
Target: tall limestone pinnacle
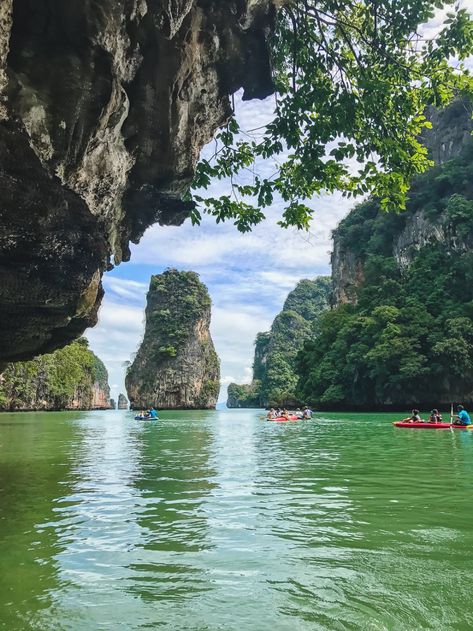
(122, 402)
(176, 366)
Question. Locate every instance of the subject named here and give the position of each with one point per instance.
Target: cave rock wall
(104, 108)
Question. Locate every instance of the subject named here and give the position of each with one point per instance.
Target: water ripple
(221, 521)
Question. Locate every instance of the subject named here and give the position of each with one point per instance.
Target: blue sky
(248, 276)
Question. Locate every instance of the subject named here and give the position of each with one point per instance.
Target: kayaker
(435, 416)
(299, 413)
(285, 414)
(307, 414)
(463, 418)
(271, 414)
(142, 414)
(414, 418)
(153, 413)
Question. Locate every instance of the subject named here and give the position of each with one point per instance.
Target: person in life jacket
(414, 418)
(435, 416)
(463, 418)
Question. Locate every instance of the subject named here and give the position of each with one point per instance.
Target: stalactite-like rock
(104, 108)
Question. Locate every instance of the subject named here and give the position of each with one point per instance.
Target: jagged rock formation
(113, 404)
(122, 402)
(72, 378)
(104, 107)
(451, 130)
(449, 137)
(274, 375)
(176, 366)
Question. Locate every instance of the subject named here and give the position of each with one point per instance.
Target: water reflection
(35, 466)
(175, 478)
(222, 521)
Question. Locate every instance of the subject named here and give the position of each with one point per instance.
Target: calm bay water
(220, 521)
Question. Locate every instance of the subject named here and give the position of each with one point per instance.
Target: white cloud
(227, 380)
(125, 289)
(116, 338)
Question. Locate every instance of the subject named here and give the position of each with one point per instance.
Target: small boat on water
(283, 419)
(425, 425)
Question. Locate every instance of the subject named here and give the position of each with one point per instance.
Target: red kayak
(283, 419)
(422, 425)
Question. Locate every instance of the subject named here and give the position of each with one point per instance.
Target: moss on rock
(176, 366)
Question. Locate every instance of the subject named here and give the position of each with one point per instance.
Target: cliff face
(274, 375)
(176, 366)
(449, 138)
(406, 339)
(104, 108)
(72, 378)
(101, 397)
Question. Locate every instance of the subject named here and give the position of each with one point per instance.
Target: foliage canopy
(352, 81)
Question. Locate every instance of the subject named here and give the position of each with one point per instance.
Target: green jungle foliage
(59, 378)
(289, 330)
(176, 301)
(274, 376)
(352, 82)
(261, 350)
(409, 339)
(245, 395)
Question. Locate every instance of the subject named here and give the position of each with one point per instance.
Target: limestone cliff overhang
(104, 108)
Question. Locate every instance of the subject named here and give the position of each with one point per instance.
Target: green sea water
(222, 521)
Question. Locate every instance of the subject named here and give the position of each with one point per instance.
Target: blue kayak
(146, 418)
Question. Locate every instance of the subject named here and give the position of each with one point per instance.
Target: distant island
(176, 366)
(274, 365)
(71, 378)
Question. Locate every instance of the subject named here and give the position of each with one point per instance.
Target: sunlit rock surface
(176, 366)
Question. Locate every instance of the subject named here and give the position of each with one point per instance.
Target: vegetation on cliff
(246, 395)
(274, 376)
(353, 80)
(176, 365)
(70, 378)
(409, 338)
